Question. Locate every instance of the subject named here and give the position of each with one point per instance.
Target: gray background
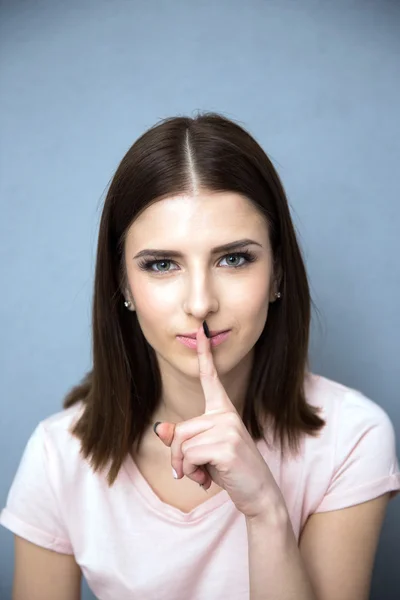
(317, 83)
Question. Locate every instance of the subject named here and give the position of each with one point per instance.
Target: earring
(127, 304)
(277, 294)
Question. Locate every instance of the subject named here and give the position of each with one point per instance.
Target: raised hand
(216, 446)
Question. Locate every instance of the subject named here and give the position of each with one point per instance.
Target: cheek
(251, 307)
(151, 296)
(152, 299)
(154, 306)
(249, 301)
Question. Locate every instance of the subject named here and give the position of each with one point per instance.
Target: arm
(334, 559)
(343, 567)
(42, 574)
(276, 567)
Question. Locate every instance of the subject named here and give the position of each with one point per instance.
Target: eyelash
(146, 265)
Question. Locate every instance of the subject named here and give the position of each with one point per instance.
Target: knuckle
(232, 419)
(185, 447)
(213, 374)
(208, 370)
(179, 433)
(188, 458)
(234, 438)
(230, 454)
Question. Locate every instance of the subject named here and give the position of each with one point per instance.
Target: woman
(200, 459)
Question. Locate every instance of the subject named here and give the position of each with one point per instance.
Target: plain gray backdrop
(317, 84)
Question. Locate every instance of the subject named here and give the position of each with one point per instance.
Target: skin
(200, 286)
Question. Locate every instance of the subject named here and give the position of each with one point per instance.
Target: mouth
(193, 335)
(216, 338)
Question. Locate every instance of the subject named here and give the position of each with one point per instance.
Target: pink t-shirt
(131, 545)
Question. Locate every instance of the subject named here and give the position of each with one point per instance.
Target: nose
(200, 297)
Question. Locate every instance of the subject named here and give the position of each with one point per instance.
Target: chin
(224, 363)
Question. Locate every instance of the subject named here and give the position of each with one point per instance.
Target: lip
(193, 335)
(215, 340)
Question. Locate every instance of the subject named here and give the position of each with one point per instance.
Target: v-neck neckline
(166, 510)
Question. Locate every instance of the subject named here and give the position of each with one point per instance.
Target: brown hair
(121, 392)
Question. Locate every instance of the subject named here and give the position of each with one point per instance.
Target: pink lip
(215, 340)
(193, 335)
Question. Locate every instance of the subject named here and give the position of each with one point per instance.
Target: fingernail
(206, 330)
(155, 427)
(174, 473)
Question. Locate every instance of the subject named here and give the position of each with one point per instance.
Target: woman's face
(189, 281)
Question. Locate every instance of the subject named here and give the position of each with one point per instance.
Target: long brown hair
(120, 394)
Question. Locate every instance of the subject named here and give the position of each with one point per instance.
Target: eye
(236, 258)
(164, 266)
(246, 257)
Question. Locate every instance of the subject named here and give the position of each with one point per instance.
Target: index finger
(216, 398)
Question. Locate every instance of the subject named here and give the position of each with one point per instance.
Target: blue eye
(147, 265)
(235, 257)
(159, 262)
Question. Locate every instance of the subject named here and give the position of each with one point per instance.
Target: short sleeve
(32, 510)
(365, 463)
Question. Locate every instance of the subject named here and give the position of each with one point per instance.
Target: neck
(183, 397)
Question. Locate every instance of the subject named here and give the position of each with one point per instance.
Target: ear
(128, 298)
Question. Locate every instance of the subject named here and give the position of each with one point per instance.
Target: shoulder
(56, 429)
(59, 425)
(45, 482)
(354, 457)
(53, 444)
(343, 408)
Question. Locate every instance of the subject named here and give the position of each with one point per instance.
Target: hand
(216, 446)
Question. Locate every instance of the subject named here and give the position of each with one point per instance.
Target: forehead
(218, 217)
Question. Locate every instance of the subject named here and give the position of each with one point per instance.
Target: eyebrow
(174, 254)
